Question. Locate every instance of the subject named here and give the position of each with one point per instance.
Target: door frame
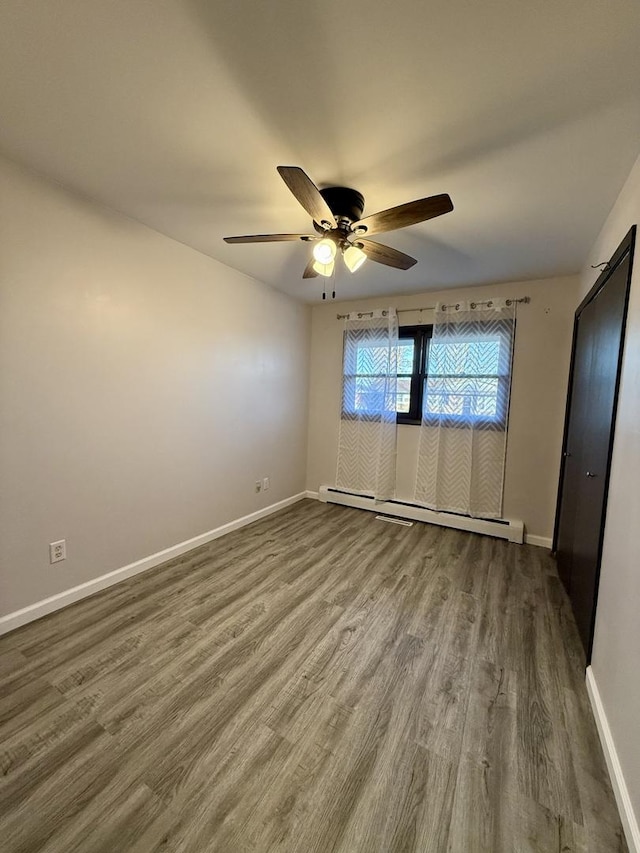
(625, 248)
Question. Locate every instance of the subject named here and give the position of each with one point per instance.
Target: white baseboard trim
(529, 538)
(541, 541)
(623, 800)
(56, 602)
(511, 529)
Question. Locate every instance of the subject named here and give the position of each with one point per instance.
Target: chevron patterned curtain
(367, 442)
(465, 409)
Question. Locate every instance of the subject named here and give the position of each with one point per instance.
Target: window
(459, 379)
(468, 377)
(366, 364)
(413, 357)
(366, 361)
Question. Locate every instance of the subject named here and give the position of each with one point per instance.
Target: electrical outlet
(265, 484)
(58, 551)
(258, 486)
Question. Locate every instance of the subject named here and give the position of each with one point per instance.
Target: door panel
(582, 496)
(574, 453)
(597, 428)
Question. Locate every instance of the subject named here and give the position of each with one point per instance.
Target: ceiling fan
(337, 220)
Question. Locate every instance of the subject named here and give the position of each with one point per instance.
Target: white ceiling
(177, 112)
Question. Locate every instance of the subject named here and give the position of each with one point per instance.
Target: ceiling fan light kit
(353, 257)
(325, 251)
(324, 269)
(337, 219)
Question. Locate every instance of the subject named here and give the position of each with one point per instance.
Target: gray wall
(144, 388)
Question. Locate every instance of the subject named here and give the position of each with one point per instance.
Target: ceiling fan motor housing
(344, 203)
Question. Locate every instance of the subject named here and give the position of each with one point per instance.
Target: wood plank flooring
(319, 681)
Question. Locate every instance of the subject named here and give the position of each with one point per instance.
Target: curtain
(367, 440)
(465, 409)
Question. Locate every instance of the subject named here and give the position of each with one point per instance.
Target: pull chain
(333, 278)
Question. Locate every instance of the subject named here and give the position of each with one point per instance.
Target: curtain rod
(523, 299)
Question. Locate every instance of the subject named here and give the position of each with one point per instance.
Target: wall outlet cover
(58, 551)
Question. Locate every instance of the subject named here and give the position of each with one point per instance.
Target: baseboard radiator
(503, 528)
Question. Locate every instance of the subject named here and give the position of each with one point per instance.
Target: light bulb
(324, 269)
(354, 258)
(324, 251)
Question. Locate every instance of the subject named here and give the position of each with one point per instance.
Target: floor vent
(394, 520)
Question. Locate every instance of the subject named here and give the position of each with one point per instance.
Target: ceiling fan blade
(406, 214)
(386, 255)
(309, 271)
(308, 194)
(269, 238)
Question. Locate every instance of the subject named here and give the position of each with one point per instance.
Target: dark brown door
(596, 360)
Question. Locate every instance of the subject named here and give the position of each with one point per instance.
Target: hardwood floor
(319, 681)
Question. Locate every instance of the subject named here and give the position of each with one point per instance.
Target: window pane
(372, 359)
(403, 396)
(372, 395)
(405, 356)
(468, 397)
(471, 357)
